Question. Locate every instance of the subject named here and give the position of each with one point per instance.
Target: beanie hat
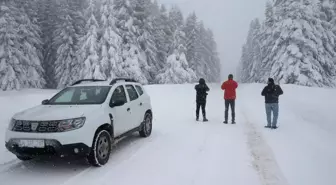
(201, 81)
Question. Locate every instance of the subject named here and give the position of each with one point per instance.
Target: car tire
(24, 158)
(101, 149)
(147, 126)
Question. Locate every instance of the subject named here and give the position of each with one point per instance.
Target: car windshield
(81, 95)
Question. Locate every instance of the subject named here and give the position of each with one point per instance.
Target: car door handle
(128, 109)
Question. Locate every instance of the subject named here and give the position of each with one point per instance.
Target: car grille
(36, 126)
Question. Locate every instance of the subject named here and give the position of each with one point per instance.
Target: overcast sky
(229, 20)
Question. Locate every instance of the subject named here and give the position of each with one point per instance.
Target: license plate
(32, 143)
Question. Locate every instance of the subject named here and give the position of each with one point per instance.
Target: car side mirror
(117, 103)
(45, 102)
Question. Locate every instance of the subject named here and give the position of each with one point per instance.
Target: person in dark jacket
(201, 95)
(272, 93)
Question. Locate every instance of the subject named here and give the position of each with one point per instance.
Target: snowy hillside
(182, 151)
(52, 43)
(295, 44)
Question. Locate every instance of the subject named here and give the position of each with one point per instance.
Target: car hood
(55, 112)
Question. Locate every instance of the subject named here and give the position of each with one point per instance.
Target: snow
(183, 151)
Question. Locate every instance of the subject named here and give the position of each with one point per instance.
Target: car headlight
(11, 124)
(71, 124)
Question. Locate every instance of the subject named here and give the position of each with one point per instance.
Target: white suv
(83, 119)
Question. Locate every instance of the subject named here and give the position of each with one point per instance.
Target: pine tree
(191, 31)
(20, 65)
(209, 55)
(48, 19)
(109, 42)
(162, 34)
(65, 36)
(133, 60)
(214, 57)
(177, 70)
(251, 54)
(88, 53)
(77, 9)
(60, 41)
(297, 47)
(143, 22)
(176, 19)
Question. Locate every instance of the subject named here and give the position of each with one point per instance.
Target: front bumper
(52, 147)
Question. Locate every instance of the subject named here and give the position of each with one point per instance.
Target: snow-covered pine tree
(328, 10)
(88, 51)
(30, 34)
(266, 41)
(191, 31)
(202, 61)
(303, 52)
(133, 59)
(177, 70)
(77, 10)
(209, 48)
(328, 15)
(65, 36)
(251, 54)
(143, 22)
(162, 34)
(175, 18)
(110, 42)
(48, 19)
(20, 65)
(30, 7)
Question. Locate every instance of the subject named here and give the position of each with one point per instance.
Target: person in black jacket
(272, 93)
(201, 95)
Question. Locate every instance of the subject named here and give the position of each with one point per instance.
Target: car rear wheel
(146, 129)
(101, 149)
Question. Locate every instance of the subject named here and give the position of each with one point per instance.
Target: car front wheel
(101, 149)
(147, 125)
(24, 158)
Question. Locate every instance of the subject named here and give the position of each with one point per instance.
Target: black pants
(230, 103)
(198, 105)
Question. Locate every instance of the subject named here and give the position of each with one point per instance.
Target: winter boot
(233, 122)
(205, 120)
(225, 122)
(268, 126)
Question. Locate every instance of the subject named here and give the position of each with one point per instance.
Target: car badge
(34, 126)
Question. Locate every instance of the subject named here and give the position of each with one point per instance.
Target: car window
(119, 94)
(66, 97)
(132, 92)
(140, 91)
(81, 95)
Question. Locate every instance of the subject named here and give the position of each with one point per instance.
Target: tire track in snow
(100, 174)
(201, 157)
(9, 164)
(264, 161)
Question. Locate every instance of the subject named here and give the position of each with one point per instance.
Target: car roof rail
(87, 80)
(122, 79)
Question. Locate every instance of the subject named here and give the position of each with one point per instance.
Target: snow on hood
(55, 112)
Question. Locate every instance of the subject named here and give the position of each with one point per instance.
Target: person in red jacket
(229, 88)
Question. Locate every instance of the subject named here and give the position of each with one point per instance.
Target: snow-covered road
(182, 151)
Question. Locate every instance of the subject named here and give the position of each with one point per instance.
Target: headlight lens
(71, 124)
(11, 124)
